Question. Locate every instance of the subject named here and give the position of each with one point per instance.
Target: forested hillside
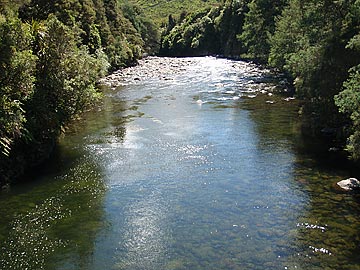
(316, 43)
(159, 10)
(209, 31)
(52, 54)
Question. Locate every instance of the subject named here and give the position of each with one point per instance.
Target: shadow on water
(326, 235)
(56, 217)
(52, 222)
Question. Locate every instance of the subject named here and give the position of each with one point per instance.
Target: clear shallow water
(198, 168)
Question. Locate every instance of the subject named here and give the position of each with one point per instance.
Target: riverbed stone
(349, 184)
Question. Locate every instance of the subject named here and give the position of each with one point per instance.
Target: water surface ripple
(193, 163)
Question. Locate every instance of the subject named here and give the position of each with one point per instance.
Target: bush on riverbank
(52, 55)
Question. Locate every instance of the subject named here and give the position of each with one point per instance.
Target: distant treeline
(52, 53)
(315, 42)
(159, 10)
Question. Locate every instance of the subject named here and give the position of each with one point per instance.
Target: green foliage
(309, 42)
(65, 79)
(145, 26)
(229, 26)
(191, 36)
(100, 24)
(52, 54)
(259, 26)
(288, 37)
(348, 102)
(210, 31)
(159, 10)
(124, 44)
(316, 42)
(17, 66)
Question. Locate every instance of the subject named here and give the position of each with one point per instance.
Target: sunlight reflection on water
(194, 166)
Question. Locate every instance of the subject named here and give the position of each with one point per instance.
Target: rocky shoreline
(167, 68)
(148, 68)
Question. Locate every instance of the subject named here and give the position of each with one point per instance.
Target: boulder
(350, 184)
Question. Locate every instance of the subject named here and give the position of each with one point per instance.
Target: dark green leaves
(17, 68)
(52, 55)
(348, 102)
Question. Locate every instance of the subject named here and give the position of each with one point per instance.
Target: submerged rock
(350, 184)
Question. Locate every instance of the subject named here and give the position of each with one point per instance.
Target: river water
(193, 163)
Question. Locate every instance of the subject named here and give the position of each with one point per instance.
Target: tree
(259, 25)
(99, 23)
(145, 26)
(209, 31)
(229, 26)
(65, 80)
(17, 67)
(311, 43)
(348, 102)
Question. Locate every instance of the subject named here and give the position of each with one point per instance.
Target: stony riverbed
(167, 68)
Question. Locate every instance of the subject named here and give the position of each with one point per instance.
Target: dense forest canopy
(54, 52)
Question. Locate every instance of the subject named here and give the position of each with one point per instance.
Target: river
(194, 163)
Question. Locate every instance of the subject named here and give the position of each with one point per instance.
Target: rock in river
(349, 184)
